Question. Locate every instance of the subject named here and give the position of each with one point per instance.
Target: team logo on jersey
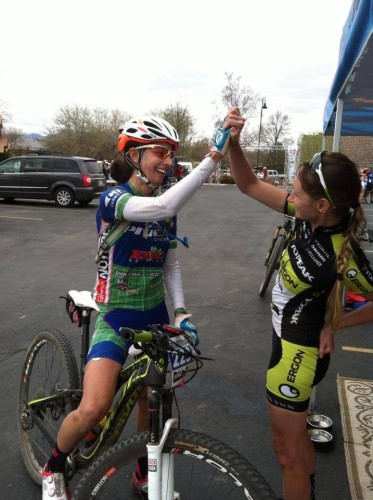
(155, 254)
(112, 195)
(351, 273)
(289, 391)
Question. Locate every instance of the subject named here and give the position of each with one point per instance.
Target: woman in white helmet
(132, 274)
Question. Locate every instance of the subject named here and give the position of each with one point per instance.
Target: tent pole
(338, 125)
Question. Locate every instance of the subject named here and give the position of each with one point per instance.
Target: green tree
(310, 144)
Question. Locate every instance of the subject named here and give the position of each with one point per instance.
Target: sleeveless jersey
(307, 273)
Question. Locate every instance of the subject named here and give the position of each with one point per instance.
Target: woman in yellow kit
(324, 255)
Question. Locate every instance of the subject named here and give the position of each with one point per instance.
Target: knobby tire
(49, 367)
(205, 468)
(272, 264)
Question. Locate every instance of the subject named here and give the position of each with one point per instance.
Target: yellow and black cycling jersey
(307, 273)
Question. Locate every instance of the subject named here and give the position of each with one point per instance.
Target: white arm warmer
(165, 206)
(172, 279)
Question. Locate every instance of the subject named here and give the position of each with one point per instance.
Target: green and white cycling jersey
(307, 273)
(134, 272)
(130, 273)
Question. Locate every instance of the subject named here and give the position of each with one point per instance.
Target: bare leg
(99, 386)
(294, 451)
(142, 417)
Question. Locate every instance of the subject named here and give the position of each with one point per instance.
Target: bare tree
(80, 131)
(13, 135)
(4, 114)
(234, 94)
(180, 117)
(276, 129)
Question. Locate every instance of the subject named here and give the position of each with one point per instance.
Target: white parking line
(23, 218)
(357, 349)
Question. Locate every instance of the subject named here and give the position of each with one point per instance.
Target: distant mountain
(34, 135)
(31, 141)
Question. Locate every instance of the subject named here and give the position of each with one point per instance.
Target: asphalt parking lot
(46, 251)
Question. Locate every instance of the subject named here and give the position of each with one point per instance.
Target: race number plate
(179, 361)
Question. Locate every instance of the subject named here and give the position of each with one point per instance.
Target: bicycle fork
(160, 465)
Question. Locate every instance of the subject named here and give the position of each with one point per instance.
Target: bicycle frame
(142, 372)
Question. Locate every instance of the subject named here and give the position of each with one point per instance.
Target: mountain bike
(181, 463)
(283, 234)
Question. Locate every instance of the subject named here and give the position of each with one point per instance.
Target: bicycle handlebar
(136, 335)
(158, 335)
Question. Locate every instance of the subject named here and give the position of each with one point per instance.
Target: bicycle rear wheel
(272, 264)
(204, 469)
(49, 367)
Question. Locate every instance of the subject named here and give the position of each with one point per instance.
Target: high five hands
(228, 130)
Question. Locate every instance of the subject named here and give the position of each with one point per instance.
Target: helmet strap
(140, 173)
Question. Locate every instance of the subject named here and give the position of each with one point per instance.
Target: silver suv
(64, 179)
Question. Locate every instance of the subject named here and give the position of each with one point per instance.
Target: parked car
(273, 177)
(64, 179)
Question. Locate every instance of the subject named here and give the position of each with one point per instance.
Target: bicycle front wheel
(204, 468)
(49, 368)
(272, 264)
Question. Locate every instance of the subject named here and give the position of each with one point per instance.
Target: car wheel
(84, 202)
(64, 197)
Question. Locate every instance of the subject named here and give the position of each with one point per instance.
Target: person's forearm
(241, 168)
(249, 184)
(140, 208)
(172, 279)
(360, 316)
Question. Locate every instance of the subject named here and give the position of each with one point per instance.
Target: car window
(93, 167)
(63, 165)
(37, 165)
(11, 166)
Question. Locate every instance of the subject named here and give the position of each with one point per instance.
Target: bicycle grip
(136, 336)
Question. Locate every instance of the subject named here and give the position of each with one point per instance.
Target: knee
(91, 414)
(288, 454)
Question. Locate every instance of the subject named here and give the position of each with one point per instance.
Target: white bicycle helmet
(147, 130)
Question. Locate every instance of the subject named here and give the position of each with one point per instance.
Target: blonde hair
(335, 299)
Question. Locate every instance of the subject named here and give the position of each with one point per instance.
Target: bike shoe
(53, 484)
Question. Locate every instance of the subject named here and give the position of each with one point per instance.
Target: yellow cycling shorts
(292, 373)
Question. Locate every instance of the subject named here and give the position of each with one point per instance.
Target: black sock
(142, 468)
(57, 461)
(313, 493)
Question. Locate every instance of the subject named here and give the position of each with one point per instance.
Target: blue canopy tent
(349, 108)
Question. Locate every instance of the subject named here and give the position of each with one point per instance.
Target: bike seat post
(86, 319)
(167, 401)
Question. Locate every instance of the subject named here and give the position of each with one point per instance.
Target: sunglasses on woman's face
(316, 168)
(160, 151)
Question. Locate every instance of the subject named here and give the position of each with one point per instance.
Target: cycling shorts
(292, 373)
(106, 340)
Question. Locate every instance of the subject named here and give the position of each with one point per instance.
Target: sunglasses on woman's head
(160, 151)
(316, 168)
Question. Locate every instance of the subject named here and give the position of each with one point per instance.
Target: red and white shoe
(53, 484)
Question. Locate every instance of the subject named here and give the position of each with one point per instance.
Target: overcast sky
(143, 55)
